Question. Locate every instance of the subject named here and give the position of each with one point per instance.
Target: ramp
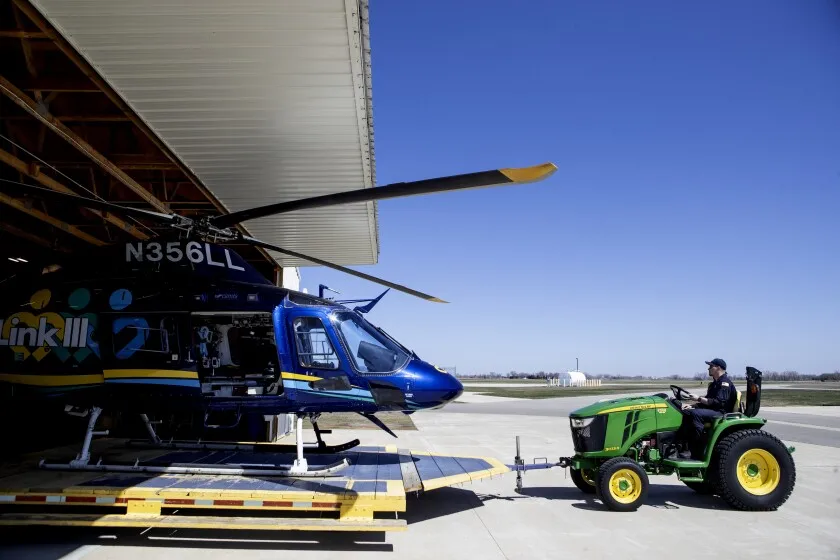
(367, 495)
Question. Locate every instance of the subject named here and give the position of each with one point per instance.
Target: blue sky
(694, 213)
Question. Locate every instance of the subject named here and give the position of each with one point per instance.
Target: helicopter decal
(60, 333)
(177, 251)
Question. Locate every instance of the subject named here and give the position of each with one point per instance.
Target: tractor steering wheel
(679, 391)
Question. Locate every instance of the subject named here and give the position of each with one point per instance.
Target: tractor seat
(736, 407)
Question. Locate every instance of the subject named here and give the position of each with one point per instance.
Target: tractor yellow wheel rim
(586, 475)
(758, 472)
(625, 486)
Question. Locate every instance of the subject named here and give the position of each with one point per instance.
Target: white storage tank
(573, 378)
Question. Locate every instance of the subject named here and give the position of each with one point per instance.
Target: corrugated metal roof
(264, 100)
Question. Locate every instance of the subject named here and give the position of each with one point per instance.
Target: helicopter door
(317, 358)
(236, 354)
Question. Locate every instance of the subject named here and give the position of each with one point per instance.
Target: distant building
(573, 378)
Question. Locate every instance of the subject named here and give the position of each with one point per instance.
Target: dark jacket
(721, 394)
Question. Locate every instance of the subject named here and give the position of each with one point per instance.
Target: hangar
(199, 107)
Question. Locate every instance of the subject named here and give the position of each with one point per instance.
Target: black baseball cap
(718, 362)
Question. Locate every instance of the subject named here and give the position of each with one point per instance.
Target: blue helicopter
(182, 322)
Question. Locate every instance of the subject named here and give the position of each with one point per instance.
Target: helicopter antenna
(322, 288)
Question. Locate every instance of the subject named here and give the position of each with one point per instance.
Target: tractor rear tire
(622, 484)
(581, 481)
(756, 471)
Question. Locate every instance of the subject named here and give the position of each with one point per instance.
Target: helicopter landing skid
(258, 447)
(241, 469)
(154, 442)
(299, 468)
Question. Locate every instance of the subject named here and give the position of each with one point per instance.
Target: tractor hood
(618, 405)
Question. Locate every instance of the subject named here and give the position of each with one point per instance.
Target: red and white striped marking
(113, 500)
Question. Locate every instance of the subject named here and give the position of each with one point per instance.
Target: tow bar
(519, 465)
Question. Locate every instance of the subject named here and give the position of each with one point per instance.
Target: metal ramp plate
(410, 476)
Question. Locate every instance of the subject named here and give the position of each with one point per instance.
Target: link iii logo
(69, 333)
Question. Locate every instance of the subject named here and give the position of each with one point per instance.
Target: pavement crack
(486, 528)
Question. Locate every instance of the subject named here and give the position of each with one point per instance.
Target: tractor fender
(727, 425)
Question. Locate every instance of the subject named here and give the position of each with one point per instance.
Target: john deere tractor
(619, 443)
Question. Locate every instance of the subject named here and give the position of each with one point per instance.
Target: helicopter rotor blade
(507, 176)
(83, 202)
(340, 268)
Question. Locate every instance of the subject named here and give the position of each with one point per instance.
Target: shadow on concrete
(661, 497)
(440, 503)
(58, 542)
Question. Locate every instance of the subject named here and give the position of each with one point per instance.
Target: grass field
(770, 397)
(797, 397)
(542, 392)
(352, 421)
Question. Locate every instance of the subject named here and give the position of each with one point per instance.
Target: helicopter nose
(433, 387)
(449, 389)
(455, 390)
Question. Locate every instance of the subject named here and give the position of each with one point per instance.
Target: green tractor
(618, 443)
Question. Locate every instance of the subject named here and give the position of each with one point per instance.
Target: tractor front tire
(585, 483)
(756, 471)
(622, 484)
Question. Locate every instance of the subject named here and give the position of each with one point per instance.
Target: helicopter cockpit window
(313, 344)
(370, 350)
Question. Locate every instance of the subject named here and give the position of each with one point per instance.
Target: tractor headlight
(581, 422)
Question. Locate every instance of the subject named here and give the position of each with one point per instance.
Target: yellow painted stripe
(299, 376)
(529, 174)
(205, 522)
(634, 407)
(37, 380)
(167, 373)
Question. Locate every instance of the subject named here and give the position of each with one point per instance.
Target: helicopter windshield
(370, 350)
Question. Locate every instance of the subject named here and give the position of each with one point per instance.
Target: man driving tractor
(720, 398)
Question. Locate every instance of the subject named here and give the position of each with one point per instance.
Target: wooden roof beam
(16, 231)
(17, 34)
(65, 47)
(34, 172)
(70, 52)
(63, 226)
(40, 113)
(60, 84)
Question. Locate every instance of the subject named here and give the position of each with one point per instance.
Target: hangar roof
(198, 106)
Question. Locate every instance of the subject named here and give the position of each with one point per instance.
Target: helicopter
(181, 322)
